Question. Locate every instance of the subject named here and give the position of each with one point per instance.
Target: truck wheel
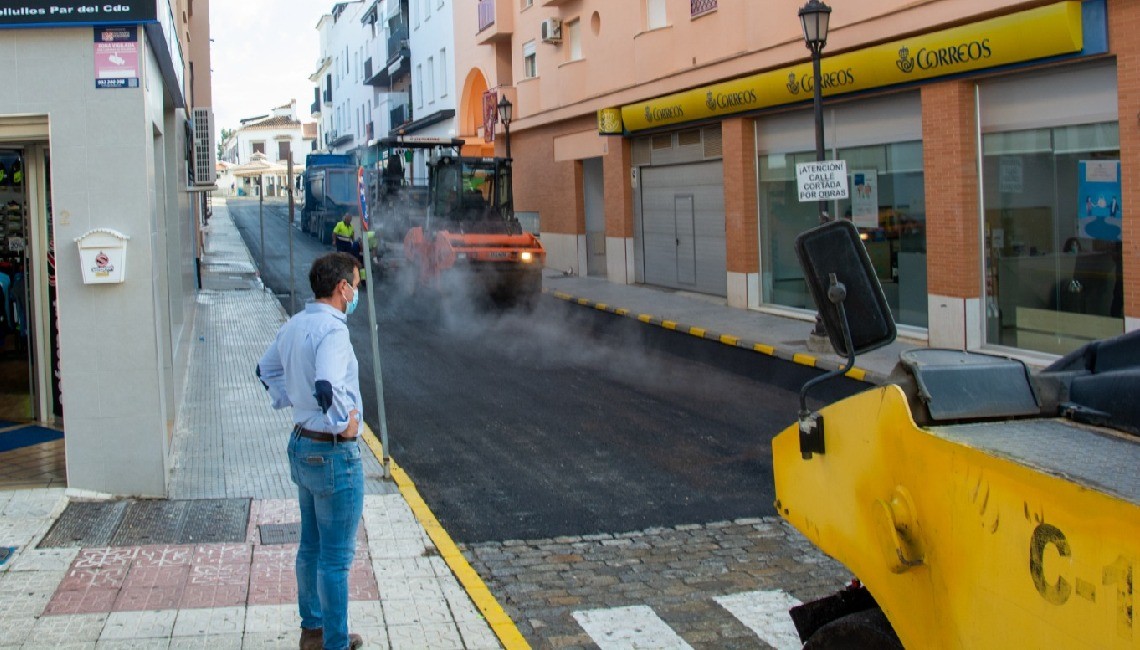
(866, 630)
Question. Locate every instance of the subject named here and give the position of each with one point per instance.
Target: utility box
(103, 256)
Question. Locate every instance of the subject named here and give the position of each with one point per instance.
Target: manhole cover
(280, 533)
(213, 521)
(6, 553)
(85, 524)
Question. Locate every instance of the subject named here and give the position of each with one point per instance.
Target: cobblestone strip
(675, 571)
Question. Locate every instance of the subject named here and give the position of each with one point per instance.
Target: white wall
(347, 43)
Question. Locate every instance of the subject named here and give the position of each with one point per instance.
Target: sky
(262, 54)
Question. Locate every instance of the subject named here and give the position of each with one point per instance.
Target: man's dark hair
(327, 272)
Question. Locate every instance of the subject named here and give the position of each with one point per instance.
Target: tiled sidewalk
(221, 596)
(228, 443)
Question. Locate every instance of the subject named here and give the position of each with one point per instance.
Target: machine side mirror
(833, 253)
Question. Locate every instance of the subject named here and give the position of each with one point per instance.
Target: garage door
(682, 217)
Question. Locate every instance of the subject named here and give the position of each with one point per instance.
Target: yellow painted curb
(697, 331)
(621, 312)
(501, 624)
(766, 349)
(729, 339)
(645, 318)
(669, 325)
(601, 306)
(858, 374)
(804, 359)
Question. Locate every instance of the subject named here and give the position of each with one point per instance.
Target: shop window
(888, 205)
(1052, 225)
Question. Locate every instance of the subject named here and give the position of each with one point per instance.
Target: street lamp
(506, 110)
(815, 18)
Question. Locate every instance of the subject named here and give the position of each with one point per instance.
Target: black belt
(321, 435)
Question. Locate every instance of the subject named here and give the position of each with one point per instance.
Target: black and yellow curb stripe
(856, 373)
(501, 624)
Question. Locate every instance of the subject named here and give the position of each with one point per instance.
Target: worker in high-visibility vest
(343, 235)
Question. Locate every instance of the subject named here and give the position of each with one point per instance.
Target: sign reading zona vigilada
(40, 13)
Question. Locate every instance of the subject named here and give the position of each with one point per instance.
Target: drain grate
(85, 523)
(280, 533)
(6, 553)
(139, 523)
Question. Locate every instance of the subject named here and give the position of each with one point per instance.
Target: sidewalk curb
(856, 373)
(496, 617)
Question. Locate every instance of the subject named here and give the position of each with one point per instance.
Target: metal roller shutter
(683, 228)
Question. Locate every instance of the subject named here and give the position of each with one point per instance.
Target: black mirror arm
(811, 425)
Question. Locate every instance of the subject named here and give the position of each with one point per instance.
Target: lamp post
(815, 17)
(506, 111)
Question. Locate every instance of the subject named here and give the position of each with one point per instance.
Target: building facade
(277, 137)
(102, 211)
(988, 173)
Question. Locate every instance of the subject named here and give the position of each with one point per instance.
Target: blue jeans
(330, 487)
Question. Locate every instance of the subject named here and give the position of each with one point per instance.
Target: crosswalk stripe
(629, 628)
(766, 614)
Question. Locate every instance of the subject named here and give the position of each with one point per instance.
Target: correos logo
(927, 59)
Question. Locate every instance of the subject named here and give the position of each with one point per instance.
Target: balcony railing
(397, 43)
(486, 14)
(399, 116)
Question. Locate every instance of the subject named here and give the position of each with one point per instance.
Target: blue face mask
(352, 305)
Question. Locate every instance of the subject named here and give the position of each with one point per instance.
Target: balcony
(315, 109)
(398, 44)
(496, 21)
(555, 3)
(399, 116)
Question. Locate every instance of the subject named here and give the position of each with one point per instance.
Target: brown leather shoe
(355, 641)
(312, 639)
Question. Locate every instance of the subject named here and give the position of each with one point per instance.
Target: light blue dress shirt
(313, 346)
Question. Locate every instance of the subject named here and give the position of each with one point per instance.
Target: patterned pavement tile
(76, 645)
(219, 621)
(277, 592)
(273, 619)
(147, 599)
(365, 614)
(110, 577)
(48, 559)
(132, 644)
(210, 642)
(214, 554)
(374, 637)
(88, 601)
(57, 630)
(94, 558)
(202, 596)
(156, 575)
(219, 574)
(139, 625)
(35, 504)
(29, 582)
(270, 641)
(436, 637)
(163, 556)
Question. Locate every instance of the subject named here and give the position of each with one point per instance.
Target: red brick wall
(950, 154)
(544, 185)
(740, 208)
(618, 192)
(1123, 25)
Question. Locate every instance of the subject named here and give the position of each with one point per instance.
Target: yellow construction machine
(978, 504)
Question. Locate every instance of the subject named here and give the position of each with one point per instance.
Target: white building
(348, 105)
(433, 72)
(279, 136)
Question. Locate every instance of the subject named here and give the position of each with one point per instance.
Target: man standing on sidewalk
(311, 366)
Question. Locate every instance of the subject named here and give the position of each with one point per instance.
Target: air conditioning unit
(552, 30)
(205, 157)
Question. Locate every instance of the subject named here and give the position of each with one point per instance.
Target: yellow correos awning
(1024, 36)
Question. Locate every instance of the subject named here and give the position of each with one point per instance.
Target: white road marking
(629, 628)
(766, 614)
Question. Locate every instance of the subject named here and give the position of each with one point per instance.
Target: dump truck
(462, 226)
(978, 504)
(330, 193)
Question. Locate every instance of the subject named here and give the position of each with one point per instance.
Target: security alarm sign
(117, 57)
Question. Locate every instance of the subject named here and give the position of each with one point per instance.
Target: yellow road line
(477, 590)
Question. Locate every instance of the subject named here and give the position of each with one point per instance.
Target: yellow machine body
(960, 546)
